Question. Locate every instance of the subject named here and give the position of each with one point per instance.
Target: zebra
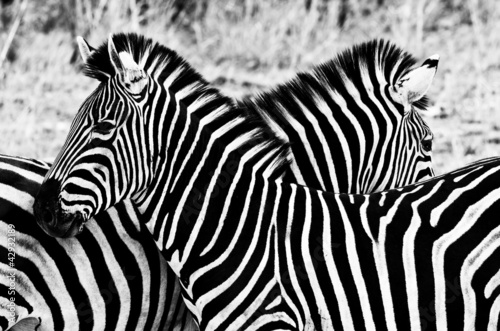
(420, 257)
(392, 70)
(269, 96)
(409, 148)
(348, 128)
(210, 188)
(111, 278)
(356, 136)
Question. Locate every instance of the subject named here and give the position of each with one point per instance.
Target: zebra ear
(113, 55)
(133, 76)
(85, 49)
(414, 84)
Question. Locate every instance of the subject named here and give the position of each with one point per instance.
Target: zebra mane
(153, 56)
(347, 68)
(393, 61)
(161, 62)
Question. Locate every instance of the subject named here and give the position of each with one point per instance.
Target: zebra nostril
(48, 217)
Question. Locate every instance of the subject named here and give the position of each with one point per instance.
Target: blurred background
(244, 46)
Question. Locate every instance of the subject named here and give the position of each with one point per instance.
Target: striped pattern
(346, 131)
(109, 278)
(397, 152)
(423, 257)
(209, 183)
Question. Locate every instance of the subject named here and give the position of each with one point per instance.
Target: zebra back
(112, 277)
(422, 257)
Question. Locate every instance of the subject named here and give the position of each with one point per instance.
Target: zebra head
(106, 156)
(409, 92)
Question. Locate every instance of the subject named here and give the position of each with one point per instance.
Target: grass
(40, 91)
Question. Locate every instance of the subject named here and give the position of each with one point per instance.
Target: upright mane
(152, 56)
(373, 55)
(376, 58)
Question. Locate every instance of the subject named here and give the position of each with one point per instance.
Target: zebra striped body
(111, 278)
(417, 258)
(288, 257)
(422, 257)
(205, 177)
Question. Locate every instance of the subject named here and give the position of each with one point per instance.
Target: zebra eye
(427, 145)
(103, 127)
(101, 132)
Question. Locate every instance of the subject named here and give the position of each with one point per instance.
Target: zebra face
(105, 158)
(416, 137)
(404, 142)
(418, 151)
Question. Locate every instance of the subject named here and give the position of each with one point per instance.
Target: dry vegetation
(247, 45)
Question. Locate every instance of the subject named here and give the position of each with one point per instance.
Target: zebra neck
(319, 116)
(205, 200)
(209, 150)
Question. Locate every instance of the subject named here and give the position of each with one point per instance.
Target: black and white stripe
(423, 257)
(375, 101)
(111, 277)
(347, 130)
(288, 257)
(208, 182)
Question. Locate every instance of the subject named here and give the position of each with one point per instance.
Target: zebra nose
(45, 215)
(45, 205)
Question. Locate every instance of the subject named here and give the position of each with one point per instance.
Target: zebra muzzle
(55, 220)
(59, 224)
